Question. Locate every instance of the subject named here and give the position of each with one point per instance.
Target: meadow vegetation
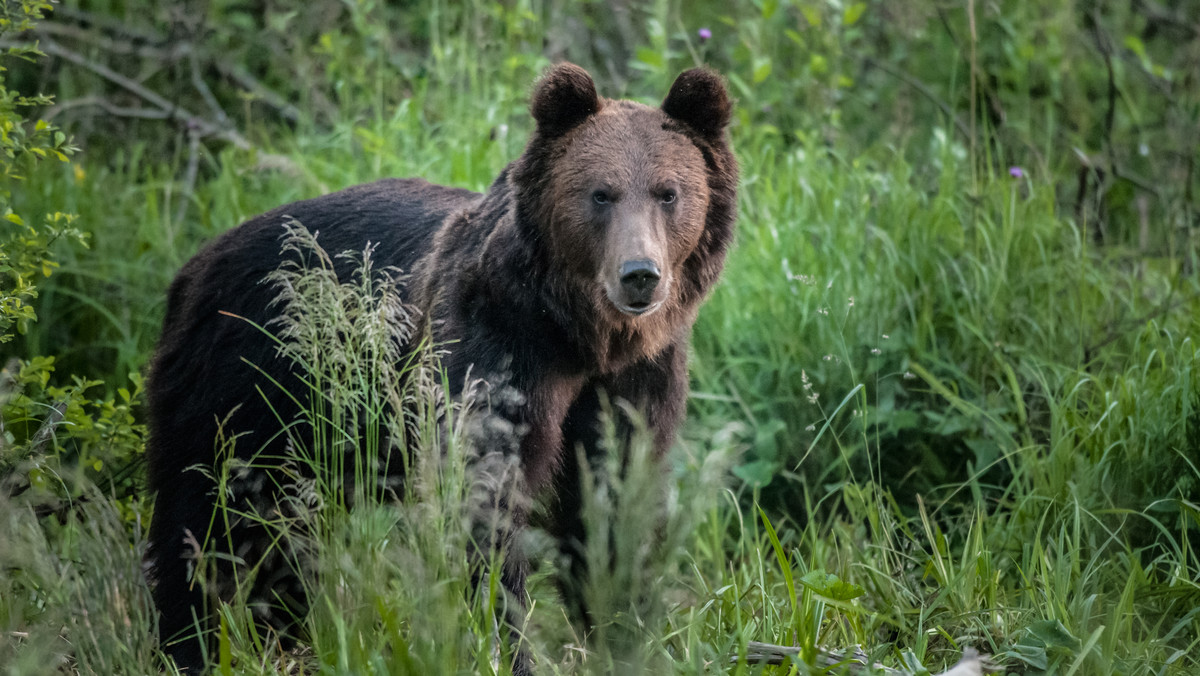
(947, 393)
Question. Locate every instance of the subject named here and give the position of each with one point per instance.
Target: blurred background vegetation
(959, 328)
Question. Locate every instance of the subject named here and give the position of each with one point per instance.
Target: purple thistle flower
(1016, 172)
(704, 34)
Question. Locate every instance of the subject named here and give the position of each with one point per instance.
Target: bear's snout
(638, 280)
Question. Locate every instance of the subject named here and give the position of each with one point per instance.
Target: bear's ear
(698, 99)
(564, 97)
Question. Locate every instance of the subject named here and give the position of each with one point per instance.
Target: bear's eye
(667, 197)
(601, 197)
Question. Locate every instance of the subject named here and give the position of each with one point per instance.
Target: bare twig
(161, 107)
(157, 47)
(205, 92)
(103, 22)
(1118, 329)
(1154, 11)
(268, 96)
(189, 177)
(108, 107)
(924, 90)
(45, 433)
(173, 112)
(147, 48)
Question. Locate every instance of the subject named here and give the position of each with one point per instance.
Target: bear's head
(636, 204)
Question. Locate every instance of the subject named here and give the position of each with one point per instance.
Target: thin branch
(104, 23)
(163, 109)
(145, 48)
(108, 107)
(189, 177)
(148, 46)
(924, 90)
(1119, 329)
(205, 92)
(174, 112)
(268, 96)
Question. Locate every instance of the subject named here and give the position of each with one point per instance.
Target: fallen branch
(856, 661)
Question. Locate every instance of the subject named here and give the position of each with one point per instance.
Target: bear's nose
(638, 279)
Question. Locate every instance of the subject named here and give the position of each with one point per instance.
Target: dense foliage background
(952, 364)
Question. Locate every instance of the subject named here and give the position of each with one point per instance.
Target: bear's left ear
(563, 98)
(698, 98)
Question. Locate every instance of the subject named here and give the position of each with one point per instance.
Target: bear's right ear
(564, 97)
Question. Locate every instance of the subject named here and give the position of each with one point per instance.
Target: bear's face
(621, 191)
(629, 200)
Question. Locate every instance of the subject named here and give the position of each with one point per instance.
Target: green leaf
(762, 69)
(831, 586)
(766, 439)
(1053, 634)
(1033, 655)
(853, 13)
(650, 57)
(812, 15)
(1134, 43)
(785, 566)
(818, 64)
(758, 473)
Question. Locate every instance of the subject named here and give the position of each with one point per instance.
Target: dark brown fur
(522, 283)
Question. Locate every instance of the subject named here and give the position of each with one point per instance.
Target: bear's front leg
(656, 392)
(515, 409)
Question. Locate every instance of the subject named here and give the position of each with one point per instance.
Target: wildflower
(876, 350)
(804, 379)
(827, 357)
(908, 375)
(704, 34)
(886, 336)
(812, 398)
(810, 428)
(851, 301)
(1016, 172)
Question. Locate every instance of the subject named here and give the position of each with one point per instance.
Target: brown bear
(577, 275)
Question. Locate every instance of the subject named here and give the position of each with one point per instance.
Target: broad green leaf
(650, 57)
(831, 586)
(853, 13)
(762, 69)
(758, 473)
(1135, 45)
(1053, 634)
